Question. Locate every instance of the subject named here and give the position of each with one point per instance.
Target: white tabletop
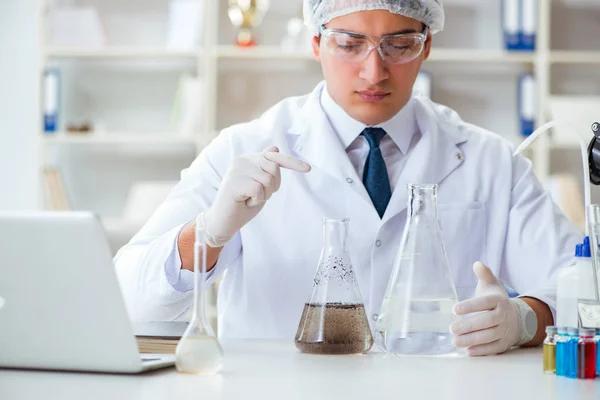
(276, 370)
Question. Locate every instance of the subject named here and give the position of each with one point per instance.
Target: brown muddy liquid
(334, 328)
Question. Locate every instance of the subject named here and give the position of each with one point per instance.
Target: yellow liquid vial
(549, 358)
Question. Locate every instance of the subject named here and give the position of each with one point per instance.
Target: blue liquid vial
(561, 352)
(572, 353)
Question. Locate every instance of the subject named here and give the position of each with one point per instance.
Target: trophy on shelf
(246, 15)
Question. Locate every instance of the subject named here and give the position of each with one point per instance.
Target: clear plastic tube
(592, 212)
(584, 157)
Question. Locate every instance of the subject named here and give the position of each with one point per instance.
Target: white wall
(19, 120)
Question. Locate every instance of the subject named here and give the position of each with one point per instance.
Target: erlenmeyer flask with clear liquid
(334, 319)
(416, 312)
(198, 350)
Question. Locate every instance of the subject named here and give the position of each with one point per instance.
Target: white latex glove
(248, 183)
(501, 322)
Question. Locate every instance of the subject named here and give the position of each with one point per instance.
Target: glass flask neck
(199, 311)
(198, 351)
(422, 200)
(335, 233)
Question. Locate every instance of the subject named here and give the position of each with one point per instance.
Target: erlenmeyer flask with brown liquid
(334, 319)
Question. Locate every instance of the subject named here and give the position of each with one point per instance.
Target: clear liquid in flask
(417, 326)
(416, 312)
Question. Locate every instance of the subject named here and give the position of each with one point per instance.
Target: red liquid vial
(586, 368)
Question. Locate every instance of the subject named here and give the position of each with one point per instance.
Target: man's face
(371, 91)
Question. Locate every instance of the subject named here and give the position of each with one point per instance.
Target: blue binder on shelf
(528, 24)
(511, 22)
(51, 81)
(527, 103)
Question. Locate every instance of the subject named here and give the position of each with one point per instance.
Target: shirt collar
(401, 127)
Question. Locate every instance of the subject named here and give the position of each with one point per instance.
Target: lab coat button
(349, 180)
(378, 243)
(375, 317)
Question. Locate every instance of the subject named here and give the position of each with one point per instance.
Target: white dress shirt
(402, 136)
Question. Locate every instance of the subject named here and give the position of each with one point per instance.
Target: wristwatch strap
(527, 321)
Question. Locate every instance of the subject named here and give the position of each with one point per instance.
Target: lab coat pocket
(464, 233)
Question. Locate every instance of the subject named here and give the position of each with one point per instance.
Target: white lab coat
(491, 208)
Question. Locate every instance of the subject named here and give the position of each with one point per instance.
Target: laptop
(61, 306)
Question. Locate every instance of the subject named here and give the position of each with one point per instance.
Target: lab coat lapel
(431, 160)
(320, 146)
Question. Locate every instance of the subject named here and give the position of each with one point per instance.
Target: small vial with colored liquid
(562, 342)
(597, 340)
(572, 353)
(550, 350)
(586, 354)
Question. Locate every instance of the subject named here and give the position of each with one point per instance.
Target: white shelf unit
(131, 52)
(481, 56)
(471, 71)
(118, 138)
(575, 57)
(260, 53)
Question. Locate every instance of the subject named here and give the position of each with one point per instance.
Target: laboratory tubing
(586, 354)
(550, 350)
(572, 351)
(562, 342)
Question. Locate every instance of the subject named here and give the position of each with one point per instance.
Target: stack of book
(159, 337)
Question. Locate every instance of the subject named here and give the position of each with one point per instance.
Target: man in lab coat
(348, 149)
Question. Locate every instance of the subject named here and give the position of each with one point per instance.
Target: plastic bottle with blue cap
(574, 283)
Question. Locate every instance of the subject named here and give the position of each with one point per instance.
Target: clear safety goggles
(355, 47)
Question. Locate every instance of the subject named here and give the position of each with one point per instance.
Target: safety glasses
(355, 47)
